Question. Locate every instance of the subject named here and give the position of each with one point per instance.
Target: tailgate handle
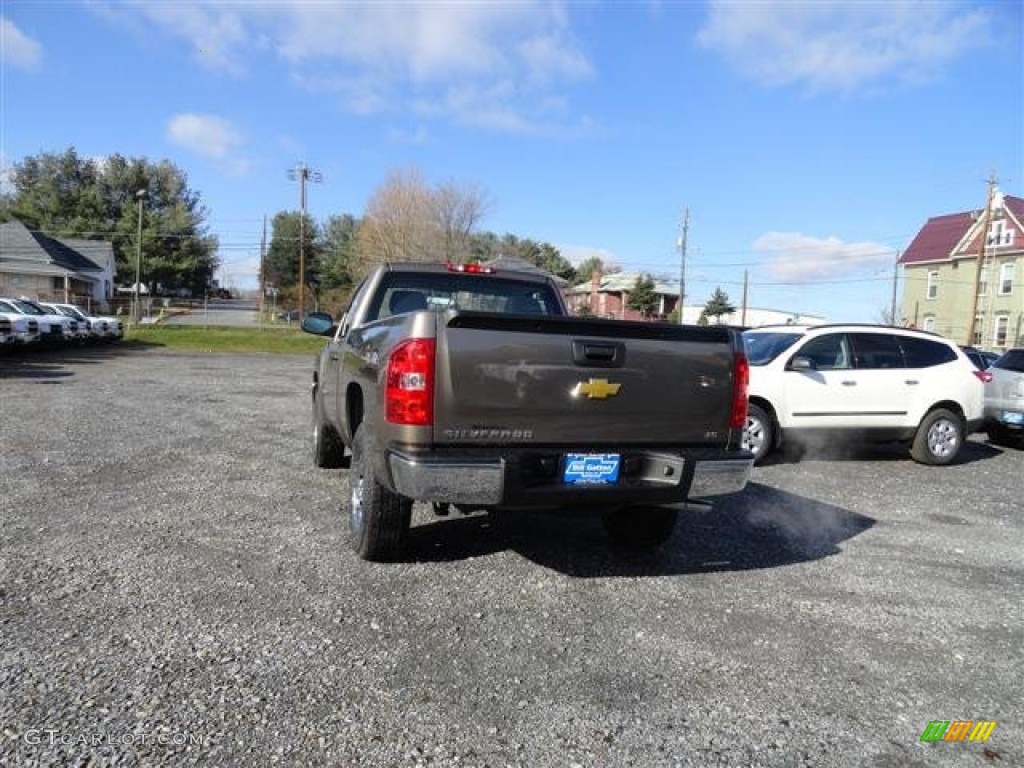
(599, 354)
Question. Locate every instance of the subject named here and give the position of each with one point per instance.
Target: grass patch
(195, 339)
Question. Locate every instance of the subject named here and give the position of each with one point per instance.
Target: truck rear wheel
(378, 518)
(640, 528)
(328, 450)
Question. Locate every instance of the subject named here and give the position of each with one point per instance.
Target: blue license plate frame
(591, 468)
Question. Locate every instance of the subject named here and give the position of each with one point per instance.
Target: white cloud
(389, 56)
(16, 48)
(842, 46)
(797, 257)
(210, 136)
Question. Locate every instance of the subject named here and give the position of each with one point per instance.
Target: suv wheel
(939, 438)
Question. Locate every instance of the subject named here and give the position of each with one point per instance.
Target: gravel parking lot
(176, 589)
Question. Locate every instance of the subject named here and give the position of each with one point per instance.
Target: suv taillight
(740, 386)
(985, 376)
(409, 395)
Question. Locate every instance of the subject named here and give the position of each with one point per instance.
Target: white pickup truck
(52, 328)
(23, 329)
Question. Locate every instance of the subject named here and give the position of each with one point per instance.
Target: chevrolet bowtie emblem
(596, 389)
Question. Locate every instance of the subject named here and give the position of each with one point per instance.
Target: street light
(303, 173)
(141, 194)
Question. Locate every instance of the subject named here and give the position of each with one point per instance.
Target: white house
(54, 269)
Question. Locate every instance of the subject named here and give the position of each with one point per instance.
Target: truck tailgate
(592, 383)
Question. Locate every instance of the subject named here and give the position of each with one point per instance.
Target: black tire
(327, 448)
(378, 518)
(939, 438)
(759, 433)
(640, 528)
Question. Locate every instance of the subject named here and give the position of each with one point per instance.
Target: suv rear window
(1011, 361)
(924, 353)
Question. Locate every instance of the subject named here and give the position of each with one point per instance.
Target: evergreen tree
(67, 196)
(718, 305)
(643, 297)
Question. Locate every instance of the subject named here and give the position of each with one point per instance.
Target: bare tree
(397, 222)
(458, 209)
(406, 220)
(885, 316)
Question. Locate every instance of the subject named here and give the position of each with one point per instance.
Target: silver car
(1004, 398)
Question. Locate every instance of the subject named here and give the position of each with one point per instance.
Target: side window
(828, 353)
(346, 319)
(924, 353)
(876, 351)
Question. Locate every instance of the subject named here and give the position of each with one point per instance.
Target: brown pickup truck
(473, 388)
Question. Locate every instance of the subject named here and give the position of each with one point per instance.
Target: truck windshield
(762, 348)
(409, 292)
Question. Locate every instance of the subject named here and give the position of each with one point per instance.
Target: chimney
(595, 285)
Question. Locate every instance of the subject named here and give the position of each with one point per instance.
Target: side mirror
(801, 363)
(319, 324)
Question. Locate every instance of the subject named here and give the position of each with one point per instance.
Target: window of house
(983, 281)
(929, 323)
(999, 331)
(1006, 278)
(999, 234)
(979, 328)
(933, 285)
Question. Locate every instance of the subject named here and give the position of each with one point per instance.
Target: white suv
(867, 381)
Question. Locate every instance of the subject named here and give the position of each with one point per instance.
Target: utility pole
(303, 173)
(263, 274)
(682, 262)
(981, 256)
(141, 194)
(895, 277)
(743, 315)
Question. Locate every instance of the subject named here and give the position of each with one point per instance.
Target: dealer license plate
(591, 468)
(1013, 418)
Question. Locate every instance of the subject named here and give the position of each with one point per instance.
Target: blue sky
(810, 141)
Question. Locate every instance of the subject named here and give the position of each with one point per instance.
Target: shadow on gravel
(762, 527)
(50, 362)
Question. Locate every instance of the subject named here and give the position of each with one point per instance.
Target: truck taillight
(740, 385)
(472, 268)
(409, 395)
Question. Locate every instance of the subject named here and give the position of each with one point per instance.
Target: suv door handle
(911, 382)
(849, 383)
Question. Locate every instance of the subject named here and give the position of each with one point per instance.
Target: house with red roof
(964, 275)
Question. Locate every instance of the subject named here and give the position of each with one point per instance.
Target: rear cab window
(403, 291)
